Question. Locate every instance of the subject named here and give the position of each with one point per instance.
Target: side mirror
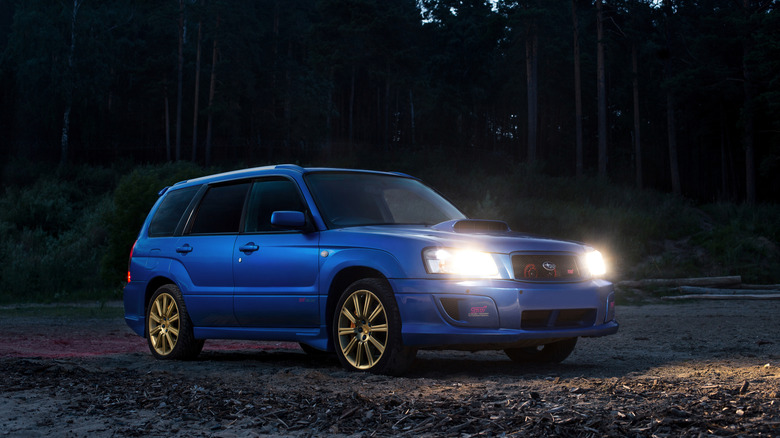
(288, 219)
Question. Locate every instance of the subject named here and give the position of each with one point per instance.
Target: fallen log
(723, 297)
(761, 286)
(675, 282)
(695, 290)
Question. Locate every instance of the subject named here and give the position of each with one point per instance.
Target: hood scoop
(473, 226)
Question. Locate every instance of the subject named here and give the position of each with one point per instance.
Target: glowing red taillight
(130, 260)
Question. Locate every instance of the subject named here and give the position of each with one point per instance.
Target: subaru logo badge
(550, 266)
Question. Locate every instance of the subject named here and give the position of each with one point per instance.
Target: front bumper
(483, 314)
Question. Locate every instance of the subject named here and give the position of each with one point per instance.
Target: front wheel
(554, 352)
(168, 326)
(367, 329)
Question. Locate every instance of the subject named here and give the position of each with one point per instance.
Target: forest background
(649, 128)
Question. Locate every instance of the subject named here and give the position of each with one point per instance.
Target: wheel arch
(340, 281)
(152, 286)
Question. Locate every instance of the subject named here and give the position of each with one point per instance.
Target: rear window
(167, 217)
(220, 210)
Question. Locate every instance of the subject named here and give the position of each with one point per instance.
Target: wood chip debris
(567, 407)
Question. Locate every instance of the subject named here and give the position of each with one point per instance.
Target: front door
(275, 270)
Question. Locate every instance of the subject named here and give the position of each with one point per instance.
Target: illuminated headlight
(459, 262)
(595, 263)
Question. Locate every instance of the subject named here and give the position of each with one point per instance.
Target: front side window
(220, 210)
(167, 217)
(354, 199)
(268, 196)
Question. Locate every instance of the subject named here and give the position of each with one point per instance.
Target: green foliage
(744, 240)
(50, 240)
(46, 206)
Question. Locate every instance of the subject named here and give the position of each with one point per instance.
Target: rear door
(205, 252)
(276, 270)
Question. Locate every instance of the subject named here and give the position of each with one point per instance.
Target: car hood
(494, 241)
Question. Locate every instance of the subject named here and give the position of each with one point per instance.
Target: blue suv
(370, 265)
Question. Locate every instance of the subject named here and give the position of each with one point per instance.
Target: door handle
(249, 247)
(184, 249)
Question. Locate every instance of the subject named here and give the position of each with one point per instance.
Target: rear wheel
(554, 352)
(367, 329)
(168, 326)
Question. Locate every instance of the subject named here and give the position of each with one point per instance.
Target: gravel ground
(706, 368)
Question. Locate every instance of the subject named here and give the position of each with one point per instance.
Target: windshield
(348, 199)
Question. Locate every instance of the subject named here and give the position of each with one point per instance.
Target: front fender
(333, 261)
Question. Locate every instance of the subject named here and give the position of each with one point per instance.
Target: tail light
(130, 260)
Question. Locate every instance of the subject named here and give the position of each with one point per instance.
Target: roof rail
(289, 166)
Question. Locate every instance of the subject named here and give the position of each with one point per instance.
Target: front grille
(546, 267)
(564, 318)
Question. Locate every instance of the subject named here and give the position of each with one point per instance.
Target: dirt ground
(705, 368)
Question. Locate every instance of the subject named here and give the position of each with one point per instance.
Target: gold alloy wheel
(164, 324)
(362, 329)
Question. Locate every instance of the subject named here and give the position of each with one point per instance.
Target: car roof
(284, 168)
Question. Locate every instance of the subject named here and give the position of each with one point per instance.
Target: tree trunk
(277, 105)
(351, 108)
(387, 136)
(724, 171)
(672, 132)
(577, 91)
(197, 96)
(329, 118)
(167, 128)
(179, 80)
(532, 80)
(212, 86)
(379, 137)
(670, 119)
(69, 85)
(411, 115)
(637, 119)
(288, 96)
(748, 121)
(602, 90)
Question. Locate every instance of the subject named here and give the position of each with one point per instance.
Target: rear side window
(169, 213)
(220, 210)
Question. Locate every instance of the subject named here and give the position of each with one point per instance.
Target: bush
(48, 205)
(54, 259)
(743, 240)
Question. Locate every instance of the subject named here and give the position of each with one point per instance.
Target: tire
(367, 329)
(168, 326)
(554, 352)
